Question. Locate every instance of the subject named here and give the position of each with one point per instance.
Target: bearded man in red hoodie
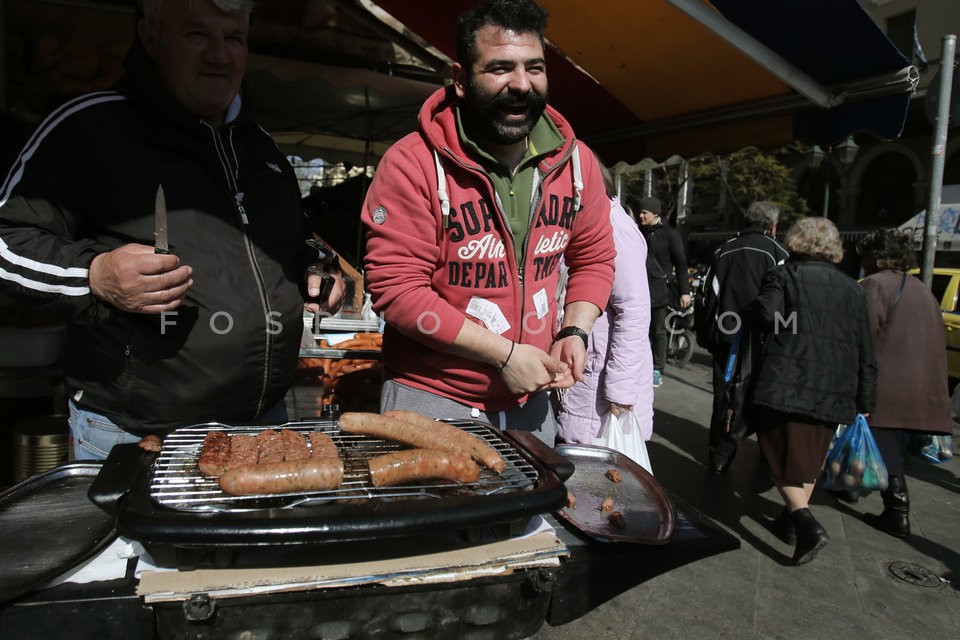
(467, 219)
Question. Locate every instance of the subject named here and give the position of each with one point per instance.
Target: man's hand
(333, 302)
(685, 301)
(133, 278)
(570, 350)
(530, 370)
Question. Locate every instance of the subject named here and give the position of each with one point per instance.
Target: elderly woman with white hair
(818, 370)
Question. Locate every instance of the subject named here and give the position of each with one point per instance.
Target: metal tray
(48, 526)
(649, 513)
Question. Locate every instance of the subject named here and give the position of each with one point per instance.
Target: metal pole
(3, 58)
(827, 170)
(939, 152)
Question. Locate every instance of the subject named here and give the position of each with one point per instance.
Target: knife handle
(161, 251)
(326, 285)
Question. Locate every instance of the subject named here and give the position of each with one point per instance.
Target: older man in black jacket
(732, 283)
(666, 270)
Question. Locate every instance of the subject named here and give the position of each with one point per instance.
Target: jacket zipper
(538, 195)
(231, 170)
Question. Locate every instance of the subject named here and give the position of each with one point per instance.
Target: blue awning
(837, 44)
(664, 77)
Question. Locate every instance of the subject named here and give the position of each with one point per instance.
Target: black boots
(811, 537)
(895, 518)
(783, 527)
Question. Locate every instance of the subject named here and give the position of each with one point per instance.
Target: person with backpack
(730, 284)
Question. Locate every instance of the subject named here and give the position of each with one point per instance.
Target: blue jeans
(93, 435)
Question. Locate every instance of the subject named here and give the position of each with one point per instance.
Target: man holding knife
(167, 226)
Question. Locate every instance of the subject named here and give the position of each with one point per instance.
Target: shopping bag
(932, 448)
(738, 377)
(622, 433)
(853, 461)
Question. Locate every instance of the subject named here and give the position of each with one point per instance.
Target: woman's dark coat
(911, 355)
(818, 359)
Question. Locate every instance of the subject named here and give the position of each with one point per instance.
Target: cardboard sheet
(541, 549)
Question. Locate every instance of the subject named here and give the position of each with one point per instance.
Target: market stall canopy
(664, 77)
(343, 79)
(338, 113)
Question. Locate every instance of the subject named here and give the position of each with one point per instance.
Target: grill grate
(177, 483)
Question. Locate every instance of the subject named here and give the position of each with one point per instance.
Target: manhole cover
(914, 574)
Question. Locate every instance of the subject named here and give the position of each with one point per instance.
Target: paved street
(863, 584)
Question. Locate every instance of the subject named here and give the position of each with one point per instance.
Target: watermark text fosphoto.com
(729, 323)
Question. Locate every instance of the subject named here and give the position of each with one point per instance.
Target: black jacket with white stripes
(731, 283)
(85, 183)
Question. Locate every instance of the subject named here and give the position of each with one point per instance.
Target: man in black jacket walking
(667, 273)
(732, 283)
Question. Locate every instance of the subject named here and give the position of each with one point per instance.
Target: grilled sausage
(312, 474)
(270, 443)
(243, 451)
(409, 465)
(214, 454)
(417, 430)
(294, 445)
(322, 445)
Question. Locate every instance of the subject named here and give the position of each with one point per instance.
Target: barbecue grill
(512, 605)
(175, 481)
(181, 516)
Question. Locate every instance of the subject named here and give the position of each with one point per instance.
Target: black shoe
(811, 537)
(784, 528)
(892, 522)
(718, 468)
(850, 497)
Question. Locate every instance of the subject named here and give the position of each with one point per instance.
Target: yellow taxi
(945, 287)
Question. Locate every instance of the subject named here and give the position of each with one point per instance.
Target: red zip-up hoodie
(429, 272)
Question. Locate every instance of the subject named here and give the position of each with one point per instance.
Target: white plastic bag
(622, 433)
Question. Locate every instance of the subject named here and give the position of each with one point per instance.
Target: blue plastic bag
(853, 461)
(932, 448)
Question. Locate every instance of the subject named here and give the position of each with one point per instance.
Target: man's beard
(484, 115)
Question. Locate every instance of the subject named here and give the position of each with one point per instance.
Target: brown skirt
(795, 446)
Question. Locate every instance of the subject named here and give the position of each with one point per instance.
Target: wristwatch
(566, 332)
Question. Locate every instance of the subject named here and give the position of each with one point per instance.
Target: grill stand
(512, 606)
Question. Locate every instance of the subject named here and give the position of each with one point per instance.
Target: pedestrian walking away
(666, 274)
(912, 394)
(815, 373)
(731, 283)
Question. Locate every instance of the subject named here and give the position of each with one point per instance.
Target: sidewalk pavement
(864, 583)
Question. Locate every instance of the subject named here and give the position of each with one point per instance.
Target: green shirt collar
(544, 138)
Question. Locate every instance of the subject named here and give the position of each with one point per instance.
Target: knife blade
(160, 223)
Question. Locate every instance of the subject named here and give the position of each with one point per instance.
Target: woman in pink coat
(619, 373)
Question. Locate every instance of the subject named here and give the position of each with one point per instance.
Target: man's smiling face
(504, 91)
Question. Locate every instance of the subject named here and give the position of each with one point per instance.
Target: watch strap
(571, 330)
